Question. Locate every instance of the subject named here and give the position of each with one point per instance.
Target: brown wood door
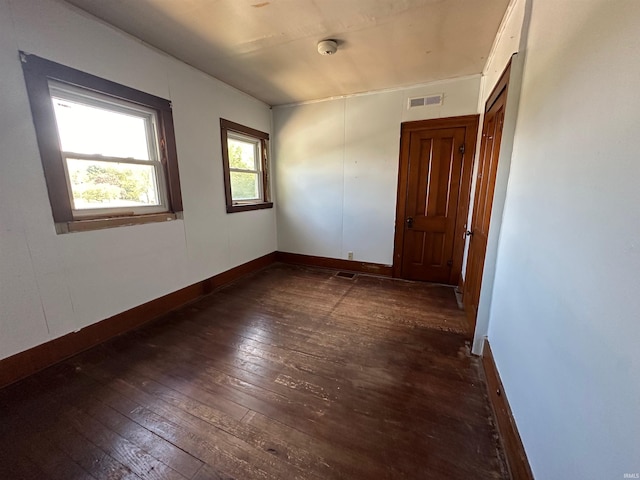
(483, 199)
(436, 193)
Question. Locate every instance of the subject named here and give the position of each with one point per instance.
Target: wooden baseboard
(26, 363)
(512, 444)
(334, 263)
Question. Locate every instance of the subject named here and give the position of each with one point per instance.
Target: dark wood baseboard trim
(30, 361)
(512, 444)
(334, 263)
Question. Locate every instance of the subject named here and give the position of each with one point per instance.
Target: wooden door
(435, 173)
(483, 199)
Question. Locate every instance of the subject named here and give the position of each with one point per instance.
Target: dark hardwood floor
(291, 373)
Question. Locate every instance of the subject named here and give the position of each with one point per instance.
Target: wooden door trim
(470, 123)
(501, 88)
(503, 84)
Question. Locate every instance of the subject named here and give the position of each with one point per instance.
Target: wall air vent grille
(428, 101)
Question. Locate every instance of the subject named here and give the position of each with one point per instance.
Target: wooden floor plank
(59, 452)
(196, 405)
(175, 423)
(290, 373)
(276, 379)
(177, 459)
(95, 448)
(313, 395)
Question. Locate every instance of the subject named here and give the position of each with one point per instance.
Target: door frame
(501, 88)
(470, 123)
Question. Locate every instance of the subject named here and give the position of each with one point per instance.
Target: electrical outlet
(350, 255)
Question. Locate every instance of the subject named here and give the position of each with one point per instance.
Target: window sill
(101, 223)
(248, 206)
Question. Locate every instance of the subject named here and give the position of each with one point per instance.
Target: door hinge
(461, 149)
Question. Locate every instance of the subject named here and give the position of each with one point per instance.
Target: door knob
(410, 222)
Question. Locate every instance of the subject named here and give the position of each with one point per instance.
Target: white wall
(506, 43)
(337, 168)
(564, 324)
(53, 284)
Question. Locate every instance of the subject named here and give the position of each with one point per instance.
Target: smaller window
(245, 161)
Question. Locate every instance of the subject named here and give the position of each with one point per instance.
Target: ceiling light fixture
(327, 47)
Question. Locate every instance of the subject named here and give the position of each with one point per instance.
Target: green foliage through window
(94, 182)
(244, 185)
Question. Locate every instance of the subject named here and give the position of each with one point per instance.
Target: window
(245, 161)
(108, 151)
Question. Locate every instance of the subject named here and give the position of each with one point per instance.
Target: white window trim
(257, 158)
(95, 99)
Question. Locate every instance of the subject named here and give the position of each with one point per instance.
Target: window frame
(229, 129)
(257, 170)
(38, 73)
(73, 94)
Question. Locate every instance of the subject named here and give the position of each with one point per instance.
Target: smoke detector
(327, 47)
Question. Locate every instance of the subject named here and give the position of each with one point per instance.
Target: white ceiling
(268, 48)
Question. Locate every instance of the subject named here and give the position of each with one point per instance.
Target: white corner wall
(506, 43)
(564, 325)
(53, 284)
(506, 47)
(336, 168)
